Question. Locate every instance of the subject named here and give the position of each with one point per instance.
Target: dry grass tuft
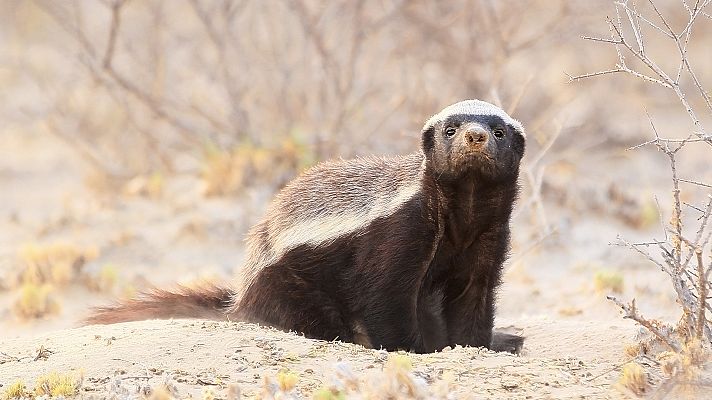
(395, 381)
(108, 277)
(44, 268)
(634, 378)
(286, 380)
(695, 353)
(608, 282)
(570, 311)
(106, 281)
(227, 172)
(399, 363)
(648, 215)
(637, 349)
(59, 264)
(208, 394)
(329, 394)
(35, 301)
(670, 363)
(16, 390)
(161, 393)
(55, 384)
(282, 388)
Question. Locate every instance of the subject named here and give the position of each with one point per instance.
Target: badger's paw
(506, 342)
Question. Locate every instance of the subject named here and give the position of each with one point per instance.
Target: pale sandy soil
(562, 360)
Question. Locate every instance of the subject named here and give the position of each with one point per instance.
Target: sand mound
(561, 360)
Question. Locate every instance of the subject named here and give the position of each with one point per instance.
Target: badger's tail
(208, 302)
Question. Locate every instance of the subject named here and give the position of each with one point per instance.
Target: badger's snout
(476, 137)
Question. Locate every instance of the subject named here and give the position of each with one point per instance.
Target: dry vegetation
(685, 251)
(44, 270)
(51, 385)
(151, 122)
(247, 93)
(252, 100)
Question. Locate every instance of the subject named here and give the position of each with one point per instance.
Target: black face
(482, 146)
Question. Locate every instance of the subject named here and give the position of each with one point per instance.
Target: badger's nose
(476, 137)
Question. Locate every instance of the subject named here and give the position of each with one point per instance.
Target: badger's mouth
(477, 154)
(475, 161)
(482, 154)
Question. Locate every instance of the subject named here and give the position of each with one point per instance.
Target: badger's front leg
(393, 314)
(390, 265)
(431, 321)
(469, 310)
(471, 294)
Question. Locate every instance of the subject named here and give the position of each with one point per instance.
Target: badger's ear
(428, 139)
(518, 139)
(520, 143)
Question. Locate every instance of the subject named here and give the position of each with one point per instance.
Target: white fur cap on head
(474, 107)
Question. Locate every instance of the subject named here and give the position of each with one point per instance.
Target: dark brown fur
(420, 275)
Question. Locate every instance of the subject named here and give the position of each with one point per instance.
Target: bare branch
(663, 79)
(635, 23)
(637, 249)
(597, 39)
(630, 311)
(617, 70)
(113, 32)
(660, 216)
(662, 18)
(694, 207)
(665, 140)
(695, 183)
(641, 17)
(682, 47)
(702, 292)
(705, 219)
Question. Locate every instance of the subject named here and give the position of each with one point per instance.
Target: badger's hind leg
(506, 342)
(281, 298)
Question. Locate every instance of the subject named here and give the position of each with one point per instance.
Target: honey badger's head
(476, 139)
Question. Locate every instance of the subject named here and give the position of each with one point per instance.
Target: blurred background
(139, 140)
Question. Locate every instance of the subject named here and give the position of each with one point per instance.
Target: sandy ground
(561, 360)
(575, 338)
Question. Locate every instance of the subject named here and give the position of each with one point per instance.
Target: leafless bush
(157, 85)
(685, 253)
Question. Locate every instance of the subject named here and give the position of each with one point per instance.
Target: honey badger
(396, 253)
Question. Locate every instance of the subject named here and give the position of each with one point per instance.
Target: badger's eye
(498, 133)
(450, 131)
